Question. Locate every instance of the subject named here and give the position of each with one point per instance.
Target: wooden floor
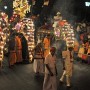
(22, 77)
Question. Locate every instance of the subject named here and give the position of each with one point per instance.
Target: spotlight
(87, 4)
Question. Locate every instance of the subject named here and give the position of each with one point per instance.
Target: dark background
(72, 10)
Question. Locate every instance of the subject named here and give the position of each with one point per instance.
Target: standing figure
(38, 57)
(1, 51)
(25, 52)
(18, 49)
(81, 51)
(68, 65)
(88, 53)
(46, 43)
(50, 71)
(12, 51)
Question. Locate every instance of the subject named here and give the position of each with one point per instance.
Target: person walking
(50, 71)
(46, 43)
(68, 65)
(38, 57)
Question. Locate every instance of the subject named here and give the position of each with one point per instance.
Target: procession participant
(76, 49)
(81, 51)
(50, 71)
(18, 48)
(46, 43)
(25, 52)
(12, 50)
(68, 68)
(1, 51)
(88, 53)
(38, 57)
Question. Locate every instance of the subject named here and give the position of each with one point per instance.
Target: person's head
(58, 14)
(39, 44)
(20, 35)
(52, 50)
(70, 48)
(48, 36)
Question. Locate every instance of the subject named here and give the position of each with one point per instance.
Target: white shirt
(51, 61)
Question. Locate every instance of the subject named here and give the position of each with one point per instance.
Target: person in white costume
(50, 71)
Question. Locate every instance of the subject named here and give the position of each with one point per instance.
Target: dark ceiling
(74, 10)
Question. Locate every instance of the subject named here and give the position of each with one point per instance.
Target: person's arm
(56, 70)
(63, 61)
(72, 57)
(49, 69)
(32, 52)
